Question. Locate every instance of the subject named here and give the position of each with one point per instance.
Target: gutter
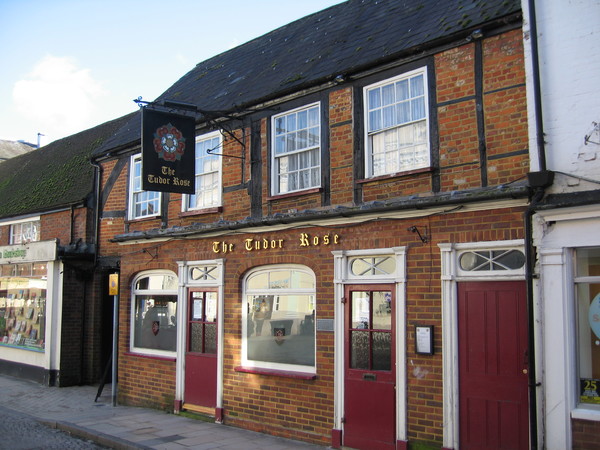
(418, 204)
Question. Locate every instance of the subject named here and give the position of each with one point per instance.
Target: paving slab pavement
(73, 409)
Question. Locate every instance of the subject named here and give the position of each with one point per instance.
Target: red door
(201, 351)
(493, 380)
(369, 386)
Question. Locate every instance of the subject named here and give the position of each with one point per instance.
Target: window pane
(387, 94)
(402, 91)
(403, 112)
(588, 311)
(374, 98)
(382, 310)
(302, 119)
(280, 329)
(382, 351)
(360, 313)
(359, 350)
(416, 86)
(291, 123)
(313, 116)
(389, 118)
(417, 108)
(280, 125)
(155, 324)
(375, 121)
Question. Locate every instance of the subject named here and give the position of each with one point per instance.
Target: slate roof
(343, 39)
(10, 149)
(57, 175)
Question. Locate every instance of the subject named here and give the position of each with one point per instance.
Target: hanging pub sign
(168, 152)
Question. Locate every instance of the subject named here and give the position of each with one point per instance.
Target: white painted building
(565, 282)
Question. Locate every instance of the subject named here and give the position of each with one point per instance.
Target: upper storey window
(141, 203)
(296, 156)
(397, 131)
(208, 174)
(23, 232)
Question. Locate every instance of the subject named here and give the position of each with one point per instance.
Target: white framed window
(208, 174)
(141, 203)
(397, 130)
(154, 313)
(278, 319)
(587, 294)
(296, 150)
(23, 232)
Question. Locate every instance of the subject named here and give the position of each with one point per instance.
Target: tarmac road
(19, 431)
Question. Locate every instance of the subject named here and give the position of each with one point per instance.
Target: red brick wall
(303, 409)
(585, 434)
(341, 146)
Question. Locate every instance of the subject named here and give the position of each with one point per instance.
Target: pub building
(350, 256)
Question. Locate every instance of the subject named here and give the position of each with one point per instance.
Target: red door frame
(369, 395)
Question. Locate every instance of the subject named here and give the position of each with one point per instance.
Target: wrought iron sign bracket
(210, 116)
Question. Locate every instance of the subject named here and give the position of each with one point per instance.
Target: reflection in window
(486, 260)
(21, 233)
(279, 319)
(373, 265)
(588, 324)
(154, 313)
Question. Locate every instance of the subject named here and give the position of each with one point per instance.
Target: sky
(69, 65)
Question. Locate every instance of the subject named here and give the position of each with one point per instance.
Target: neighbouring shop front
(30, 280)
(334, 333)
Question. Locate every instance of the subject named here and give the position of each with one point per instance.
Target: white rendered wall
(569, 53)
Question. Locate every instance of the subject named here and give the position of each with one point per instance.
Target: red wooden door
(201, 354)
(369, 386)
(493, 380)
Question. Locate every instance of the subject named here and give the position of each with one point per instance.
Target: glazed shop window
(23, 305)
(587, 281)
(141, 203)
(23, 232)
(208, 174)
(278, 319)
(397, 131)
(154, 313)
(296, 153)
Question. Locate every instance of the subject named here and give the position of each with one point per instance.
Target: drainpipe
(98, 171)
(538, 181)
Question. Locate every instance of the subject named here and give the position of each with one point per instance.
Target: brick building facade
(356, 233)
(53, 326)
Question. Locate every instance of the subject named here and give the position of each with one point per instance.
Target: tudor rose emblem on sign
(168, 152)
(169, 143)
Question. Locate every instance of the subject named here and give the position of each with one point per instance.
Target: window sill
(198, 212)
(143, 219)
(586, 414)
(295, 194)
(277, 373)
(156, 357)
(396, 175)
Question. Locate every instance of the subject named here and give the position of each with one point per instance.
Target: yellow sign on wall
(113, 284)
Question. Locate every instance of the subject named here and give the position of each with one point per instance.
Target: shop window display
(279, 319)
(587, 282)
(23, 305)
